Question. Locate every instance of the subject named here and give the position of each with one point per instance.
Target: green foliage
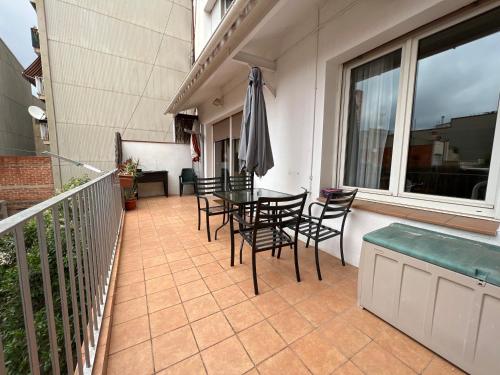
(12, 328)
(75, 181)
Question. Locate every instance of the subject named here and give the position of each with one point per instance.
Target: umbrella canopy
(255, 153)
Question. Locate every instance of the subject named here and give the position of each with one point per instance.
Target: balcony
(178, 307)
(35, 40)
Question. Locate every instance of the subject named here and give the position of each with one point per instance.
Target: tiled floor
(181, 309)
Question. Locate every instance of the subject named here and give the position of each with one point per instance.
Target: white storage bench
(441, 290)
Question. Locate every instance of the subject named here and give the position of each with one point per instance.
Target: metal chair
(241, 182)
(337, 205)
(267, 232)
(187, 177)
(204, 187)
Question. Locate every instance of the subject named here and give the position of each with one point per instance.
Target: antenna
(37, 113)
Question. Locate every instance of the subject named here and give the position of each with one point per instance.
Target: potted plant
(127, 173)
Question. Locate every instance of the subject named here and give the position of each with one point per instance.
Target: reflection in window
(372, 114)
(455, 109)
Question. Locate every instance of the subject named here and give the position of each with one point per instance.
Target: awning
(34, 70)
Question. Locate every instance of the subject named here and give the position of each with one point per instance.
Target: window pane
(455, 109)
(372, 113)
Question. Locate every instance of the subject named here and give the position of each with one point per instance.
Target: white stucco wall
(294, 115)
(159, 156)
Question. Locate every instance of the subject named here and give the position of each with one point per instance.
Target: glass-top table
(245, 197)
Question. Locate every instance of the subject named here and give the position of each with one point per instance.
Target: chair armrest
(310, 206)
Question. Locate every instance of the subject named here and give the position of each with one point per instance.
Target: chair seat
(187, 182)
(267, 238)
(308, 227)
(212, 210)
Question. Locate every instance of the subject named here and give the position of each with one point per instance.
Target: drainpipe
(315, 99)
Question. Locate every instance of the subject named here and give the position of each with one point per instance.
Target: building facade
(397, 99)
(110, 66)
(17, 135)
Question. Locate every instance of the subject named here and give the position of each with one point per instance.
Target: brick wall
(25, 181)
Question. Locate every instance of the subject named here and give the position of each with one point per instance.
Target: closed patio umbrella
(255, 152)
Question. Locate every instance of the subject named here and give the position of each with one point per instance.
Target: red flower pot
(126, 181)
(131, 204)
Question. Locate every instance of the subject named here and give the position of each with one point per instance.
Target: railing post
(24, 286)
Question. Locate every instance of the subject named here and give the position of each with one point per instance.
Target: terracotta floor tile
(129, 310)
(160, 300)
(181, 265)
(270, 303)
(211, 330)
(200, 307)
(276, 279)
(129, 292)
(290, 325)
(202, 259)
(318, 354)
(237, 273)
(285, 362)
(405, 349)
(348, 368)
(439, 366)
(159, 283)
(221, 254)
(186, 276)
(261, 341)
(167, 320)
(130, 278)
(136, 360)
(218, 281)
(173, 347)
(192, 290)
(129, 333)
(247, 287)
(243, 315)
(194, 251)
(293, 293)
(178, 255)
(210, 269)
(156, 271)
(191, 366)
(315, 310)
(348, 339)
(229, 296)
(226, 358)
(154, 261)
(373, 359)
(365, 321)
(337, 300)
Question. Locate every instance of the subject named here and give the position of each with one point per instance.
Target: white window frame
(396, 193)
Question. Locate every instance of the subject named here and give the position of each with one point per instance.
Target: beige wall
(16, 131)
(110, 66)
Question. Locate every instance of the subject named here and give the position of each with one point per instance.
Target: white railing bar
(47, 292)
(24, 286)
(74, 302)
(61, 281)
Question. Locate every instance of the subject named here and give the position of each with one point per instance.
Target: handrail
(64, 251)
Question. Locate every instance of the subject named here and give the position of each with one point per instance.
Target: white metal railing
(62, 251)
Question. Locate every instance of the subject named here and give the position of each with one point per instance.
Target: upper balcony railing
(55, 264)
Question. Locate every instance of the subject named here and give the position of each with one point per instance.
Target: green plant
(130, 168)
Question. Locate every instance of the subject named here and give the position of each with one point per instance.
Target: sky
(16, 19)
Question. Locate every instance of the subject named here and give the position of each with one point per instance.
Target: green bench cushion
(472, 258)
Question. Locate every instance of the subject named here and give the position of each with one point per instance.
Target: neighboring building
(353, 91)
(110, 66)
(16, 127)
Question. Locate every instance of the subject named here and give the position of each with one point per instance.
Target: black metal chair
(337, 205)
(187, 177)
(204, 187)
(241, 182)
(267, 232)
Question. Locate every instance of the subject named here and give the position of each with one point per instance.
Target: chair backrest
(207, 186)
(280, 212)
(241, 182)
(338, 204)
(188, 175)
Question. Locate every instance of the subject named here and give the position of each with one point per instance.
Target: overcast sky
(16, 19)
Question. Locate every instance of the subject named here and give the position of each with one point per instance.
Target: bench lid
(472, 258)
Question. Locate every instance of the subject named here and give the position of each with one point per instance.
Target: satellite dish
(37, 112)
